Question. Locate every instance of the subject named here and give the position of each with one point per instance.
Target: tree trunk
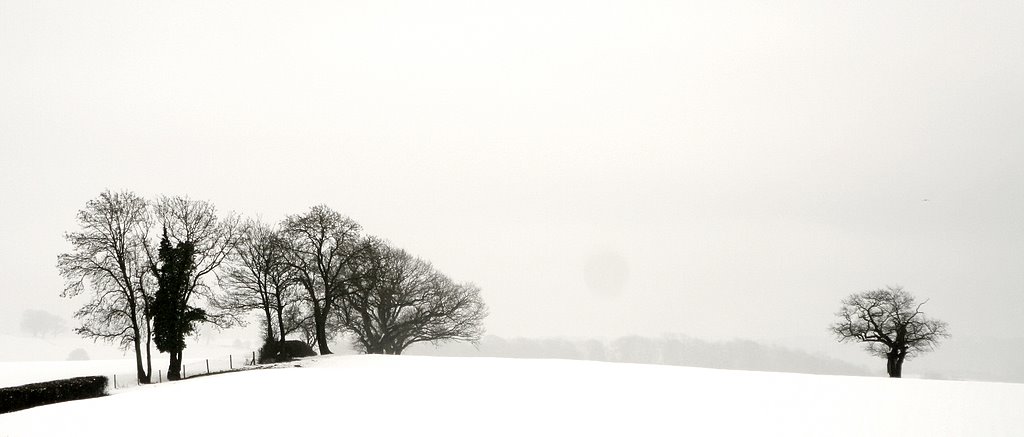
(321, 339)
(894, 365)
(174, 369)
(320, 320)
(149, 340)
(280, 319)
(321, 333)
(140, 373)
(149, 358)
(270, 323)
(393, 349)
(280, 326)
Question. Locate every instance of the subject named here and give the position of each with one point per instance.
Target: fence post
(115, 380)
(231, 364)
(207, 365)
(160, 374)
(253, 358)
(182, 371)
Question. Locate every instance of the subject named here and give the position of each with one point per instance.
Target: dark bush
(78, 355)
(51, 392)
(269, 352)
(296, 349)
(275, 351)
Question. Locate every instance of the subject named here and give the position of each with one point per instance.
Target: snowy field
(385, 395)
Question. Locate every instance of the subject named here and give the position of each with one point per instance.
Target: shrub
(78, 355)
(51, 392)
(275, 351)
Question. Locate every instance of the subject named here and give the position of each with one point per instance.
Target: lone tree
(891, 324)
(108, 259)
(401, 300)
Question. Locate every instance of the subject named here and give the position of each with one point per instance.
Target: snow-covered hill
(384, 395)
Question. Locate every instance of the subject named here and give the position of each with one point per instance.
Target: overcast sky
(717, 169)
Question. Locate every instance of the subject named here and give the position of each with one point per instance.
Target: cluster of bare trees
(113, 262)
(314, 275)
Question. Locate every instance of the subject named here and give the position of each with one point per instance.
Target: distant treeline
(672, 350)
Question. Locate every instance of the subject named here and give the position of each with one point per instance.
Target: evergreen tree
(173, 318)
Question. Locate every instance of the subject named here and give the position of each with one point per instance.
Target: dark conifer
(173, 318)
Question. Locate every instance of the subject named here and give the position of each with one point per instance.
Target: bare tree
(256, 277)
(210, 239)
(108, 259)
(891, 324)
(401, 300)
(322, 250)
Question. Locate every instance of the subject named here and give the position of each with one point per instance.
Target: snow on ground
(385, 395)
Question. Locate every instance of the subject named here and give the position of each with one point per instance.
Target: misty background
(722, 173)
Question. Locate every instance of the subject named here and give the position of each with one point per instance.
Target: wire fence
(189, 368)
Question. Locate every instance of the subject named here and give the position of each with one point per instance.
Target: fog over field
(721, 171)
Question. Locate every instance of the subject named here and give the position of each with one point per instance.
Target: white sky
(721, 169)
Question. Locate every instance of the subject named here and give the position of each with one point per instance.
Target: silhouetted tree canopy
(108, 261)
(891, 324)
(256, 277)
(322, 251)
(401, 300)
(316, 275)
